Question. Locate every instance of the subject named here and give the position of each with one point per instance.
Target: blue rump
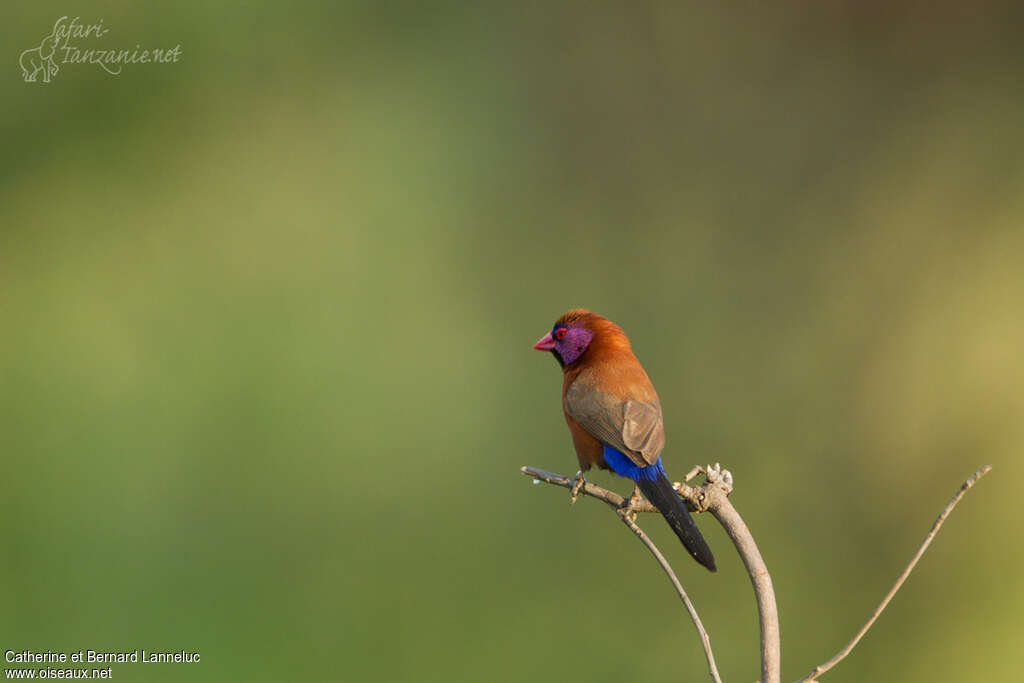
(624, 467)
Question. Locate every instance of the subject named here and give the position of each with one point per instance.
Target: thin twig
(616, 501)
(704, 640)
(971, 481)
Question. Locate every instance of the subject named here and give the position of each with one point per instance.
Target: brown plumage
(609, 366)
(614, 414)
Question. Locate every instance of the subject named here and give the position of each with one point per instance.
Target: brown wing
(633, 427)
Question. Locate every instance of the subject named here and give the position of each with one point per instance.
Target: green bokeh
(267, 314)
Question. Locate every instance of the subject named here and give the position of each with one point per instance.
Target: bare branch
(971, 481)
(618, 502)
(591, 489)
(714, 496)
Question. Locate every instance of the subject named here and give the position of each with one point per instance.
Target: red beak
(546, 343)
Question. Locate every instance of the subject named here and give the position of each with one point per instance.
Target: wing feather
(633, 427)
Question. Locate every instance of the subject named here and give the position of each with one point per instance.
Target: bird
(614, 416)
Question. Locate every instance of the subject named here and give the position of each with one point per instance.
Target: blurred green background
(267, 316)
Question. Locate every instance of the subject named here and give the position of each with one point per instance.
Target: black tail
(673, 509)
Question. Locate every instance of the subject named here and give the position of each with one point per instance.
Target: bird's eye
(560, 334)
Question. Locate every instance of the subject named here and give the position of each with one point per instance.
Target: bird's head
(571, 336)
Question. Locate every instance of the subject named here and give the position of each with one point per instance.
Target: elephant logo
(40, 59)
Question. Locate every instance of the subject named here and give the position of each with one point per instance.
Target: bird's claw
(628, 507)
(577, 484)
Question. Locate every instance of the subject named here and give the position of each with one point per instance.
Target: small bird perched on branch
(614, 416)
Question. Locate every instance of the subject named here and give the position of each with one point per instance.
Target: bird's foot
(577, 484)
(629, 505)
